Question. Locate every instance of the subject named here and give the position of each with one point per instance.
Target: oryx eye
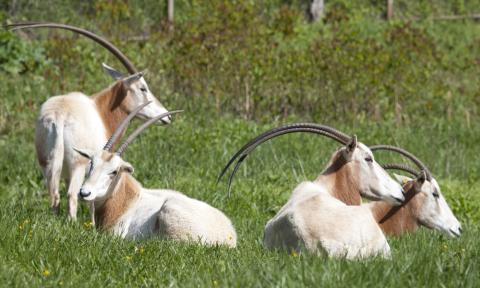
(369, 159)
(113, 173)
(435, 194)
(143, 89)
(90, 169)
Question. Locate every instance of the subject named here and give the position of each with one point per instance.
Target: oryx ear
(127, 167)
(422, 176)
(112, 72)
(132, 78)
(352, 144)
(84, 152)
(402, 179)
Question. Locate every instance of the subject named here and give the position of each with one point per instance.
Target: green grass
(187, 156)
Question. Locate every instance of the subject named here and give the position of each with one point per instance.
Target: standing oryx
(424, 203)
(317, 216)
(85, 122)
(124, 208)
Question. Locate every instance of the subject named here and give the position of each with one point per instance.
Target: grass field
(403, 82)
(39, 249)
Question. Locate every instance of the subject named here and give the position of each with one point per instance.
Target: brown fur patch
(112, 105)
(340, 175)
(398, 220)
(126, 190)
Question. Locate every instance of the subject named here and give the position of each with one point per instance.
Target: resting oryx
(424, 203)
(317, 216)
(86, 122)
(125, 208)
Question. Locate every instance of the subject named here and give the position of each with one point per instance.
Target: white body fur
(172, 215)
(65, 121)
(77, 120)
(314, 220)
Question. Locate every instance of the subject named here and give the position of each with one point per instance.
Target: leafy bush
(18, 56)
(264, 61)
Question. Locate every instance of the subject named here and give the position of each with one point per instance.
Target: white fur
(182, 218)
(64, 122)
(314, 220)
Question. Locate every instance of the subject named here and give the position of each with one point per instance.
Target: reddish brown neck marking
(397, 220)
(112, 106)
(339, 175)
(126, 190)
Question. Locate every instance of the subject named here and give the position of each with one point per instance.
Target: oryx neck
(397, 220)
(341, 181)
(125, 192)
(341, 184)
(112, 105)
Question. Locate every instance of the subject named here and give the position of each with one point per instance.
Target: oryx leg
(76, 179)
(50, 152)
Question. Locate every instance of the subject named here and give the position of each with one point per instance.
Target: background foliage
(264, 60)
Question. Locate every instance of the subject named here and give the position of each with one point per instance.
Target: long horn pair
(142, 128)
(123, 126)
(100, 40)
(405, 153)
(275, 132)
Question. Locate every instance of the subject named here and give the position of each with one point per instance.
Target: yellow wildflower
(46, 273)
(294, 254)
(88, 224)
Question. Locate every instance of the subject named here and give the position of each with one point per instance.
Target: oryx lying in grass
(317, 216)
(86, 122)
(124, 208)
(424, 203)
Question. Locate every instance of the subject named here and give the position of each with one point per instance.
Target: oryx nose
(166, 119)
(83, 193)
(399, 199)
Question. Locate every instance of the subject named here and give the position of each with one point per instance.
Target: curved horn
(141, 128)
(405, 153)
(286, 129)
(402, 167)
(100, 40)
(122, 127)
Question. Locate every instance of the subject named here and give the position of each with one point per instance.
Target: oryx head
(137, 93)
(365, 174)
(429, 205)
(106, 166)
